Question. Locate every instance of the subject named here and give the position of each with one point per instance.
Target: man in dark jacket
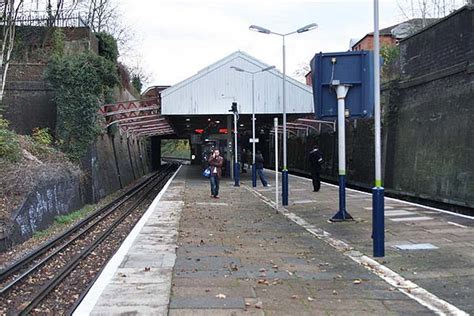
(215, 163)
(316, 161)
(259, 167)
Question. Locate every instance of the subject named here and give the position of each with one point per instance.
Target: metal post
(236, 162)
(284, 181)
(341, 91)
(254, 170)
(229, 162)
(378, 224)
(275, 126)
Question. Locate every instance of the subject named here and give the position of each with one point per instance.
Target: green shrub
(74, 216)
(42, 136)
(58, 39)
(107, 46)
(137, 83)
(9, 146)
(80, 83)
(3, 123)
(389, 54)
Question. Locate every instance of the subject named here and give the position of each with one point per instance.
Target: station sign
(352, 68)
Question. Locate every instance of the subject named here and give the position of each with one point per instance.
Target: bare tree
(301, 72)
(105, 16)
(10, 9)
(100, 14)
(426, 9)
(138, 72)
(53, 9)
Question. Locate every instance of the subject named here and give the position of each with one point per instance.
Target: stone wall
(58, 191)
(427, 134)
(114, 162)
(28, 98)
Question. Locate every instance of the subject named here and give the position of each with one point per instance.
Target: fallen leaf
(221, 296)
(294, 297)
(334, 292)
(259, 305)
(310, 299)
(357, 281)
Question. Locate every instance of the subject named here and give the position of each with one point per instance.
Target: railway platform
(240, 255)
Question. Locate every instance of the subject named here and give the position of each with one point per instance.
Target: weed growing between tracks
(61, 222)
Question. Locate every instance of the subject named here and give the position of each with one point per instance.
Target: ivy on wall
(81, 84)
(107, 46)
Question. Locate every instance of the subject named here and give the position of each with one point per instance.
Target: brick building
(392, 34)
(389, 36)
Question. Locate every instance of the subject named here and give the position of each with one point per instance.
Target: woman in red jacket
(215, 163)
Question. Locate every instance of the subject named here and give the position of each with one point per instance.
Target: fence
(63, 19)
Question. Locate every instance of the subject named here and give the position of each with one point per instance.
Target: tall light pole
(254, 170)
(378, 224)
(309, 27)
(235, 111)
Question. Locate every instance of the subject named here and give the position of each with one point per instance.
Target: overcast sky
(177, 38)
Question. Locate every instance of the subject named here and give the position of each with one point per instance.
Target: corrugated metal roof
(214, 88)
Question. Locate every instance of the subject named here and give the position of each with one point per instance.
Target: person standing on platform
(316, 161)
(259, 167)
(243, 159)
(215, 163)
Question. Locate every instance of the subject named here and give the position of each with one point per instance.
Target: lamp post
(378, 224)
(234, 111)
(254, 170)
(309, 27)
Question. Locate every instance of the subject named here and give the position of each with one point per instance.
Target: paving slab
(239, 256)
(405, 224)
(137, 279)
(251, 254)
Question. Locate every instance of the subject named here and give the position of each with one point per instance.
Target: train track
(52, 278)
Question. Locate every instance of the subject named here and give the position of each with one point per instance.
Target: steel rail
(91, 283)
(21, 263)
(75, 238)
(68, 268)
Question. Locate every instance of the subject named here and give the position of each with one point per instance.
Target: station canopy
(208, 95)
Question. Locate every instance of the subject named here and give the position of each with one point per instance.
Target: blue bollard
(254, 176)
(236, 174)
(378, 221)
(284, 187)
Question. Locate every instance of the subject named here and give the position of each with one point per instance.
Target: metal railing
(63, 19)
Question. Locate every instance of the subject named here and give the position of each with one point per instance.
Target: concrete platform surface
(239, 255)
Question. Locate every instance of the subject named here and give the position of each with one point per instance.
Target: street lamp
(263, 30)
(254, 170)
(378, 224)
